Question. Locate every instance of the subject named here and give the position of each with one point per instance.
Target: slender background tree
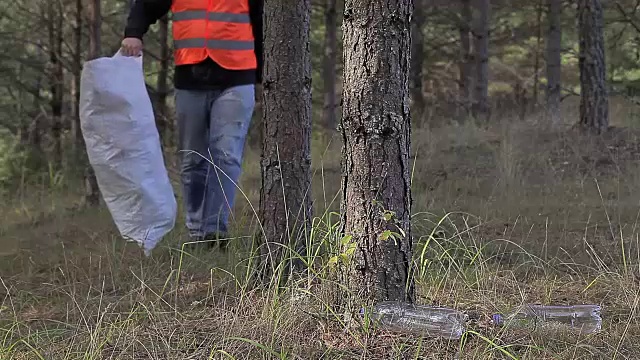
(329, 71)
(554, 60)
(92, 192)
(465, 62)
(417, 57)
(481, 57)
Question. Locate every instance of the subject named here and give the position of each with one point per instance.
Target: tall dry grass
(503, 215)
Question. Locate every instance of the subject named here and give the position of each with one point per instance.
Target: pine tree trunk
(481, 41)
(285, 198)
(78, 141)
(594, 102)
(92, 193)
(376, 129)
(417, 59)
(536, 65)
(329, 70)
(162, 118)
(35, 129)
(23, 129)
(554, 60)
(465, 65)
(56, 78)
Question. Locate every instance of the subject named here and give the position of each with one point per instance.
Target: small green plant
(348, 248)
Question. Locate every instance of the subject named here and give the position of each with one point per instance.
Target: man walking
(218, 58)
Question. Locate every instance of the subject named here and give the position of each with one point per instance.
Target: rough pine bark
(554, 60)
(417, 58)
(92, 192)
(329, 76)
(594, 103)
(376, 127)
(481, 56)
(465, 64)
(285, 199)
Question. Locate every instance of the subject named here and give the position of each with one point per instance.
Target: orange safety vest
(219, 29)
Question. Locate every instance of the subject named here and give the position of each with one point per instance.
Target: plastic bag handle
(137, 58)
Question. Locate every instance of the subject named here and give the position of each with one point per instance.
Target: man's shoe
(209, 241)
(221, 239)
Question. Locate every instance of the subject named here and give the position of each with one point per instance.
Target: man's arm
(143, 14)
(255, 12)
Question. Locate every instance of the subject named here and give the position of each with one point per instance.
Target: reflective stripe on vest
(211, 16)
(213, 44)
(225, 36)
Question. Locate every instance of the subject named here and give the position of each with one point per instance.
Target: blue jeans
(212, 128)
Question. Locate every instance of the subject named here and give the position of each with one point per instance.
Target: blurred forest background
(47, 42)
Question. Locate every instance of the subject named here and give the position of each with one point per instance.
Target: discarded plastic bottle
(420, 319)
(584, 319)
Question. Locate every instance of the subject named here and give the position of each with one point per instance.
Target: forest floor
(518, 215)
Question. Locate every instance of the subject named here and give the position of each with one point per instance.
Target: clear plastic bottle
(584, 319)
(420, 319)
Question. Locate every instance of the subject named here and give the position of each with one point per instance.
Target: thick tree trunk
(162, 114)
(376, 129)
(329, 70)
(481, 41)
(285, 198)
(554, 60)
(417, 59)
(594, 103)
(466, 62)
(92, 193)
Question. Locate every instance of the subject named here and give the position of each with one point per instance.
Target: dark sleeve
(255, 12)
(143, 14)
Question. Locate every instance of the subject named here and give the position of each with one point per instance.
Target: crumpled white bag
(118, 126)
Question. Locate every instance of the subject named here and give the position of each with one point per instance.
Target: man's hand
(131, 47)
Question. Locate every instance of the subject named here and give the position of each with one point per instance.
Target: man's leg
(230, 117)
(192, 110)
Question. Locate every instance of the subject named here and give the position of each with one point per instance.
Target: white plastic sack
(123, 145)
